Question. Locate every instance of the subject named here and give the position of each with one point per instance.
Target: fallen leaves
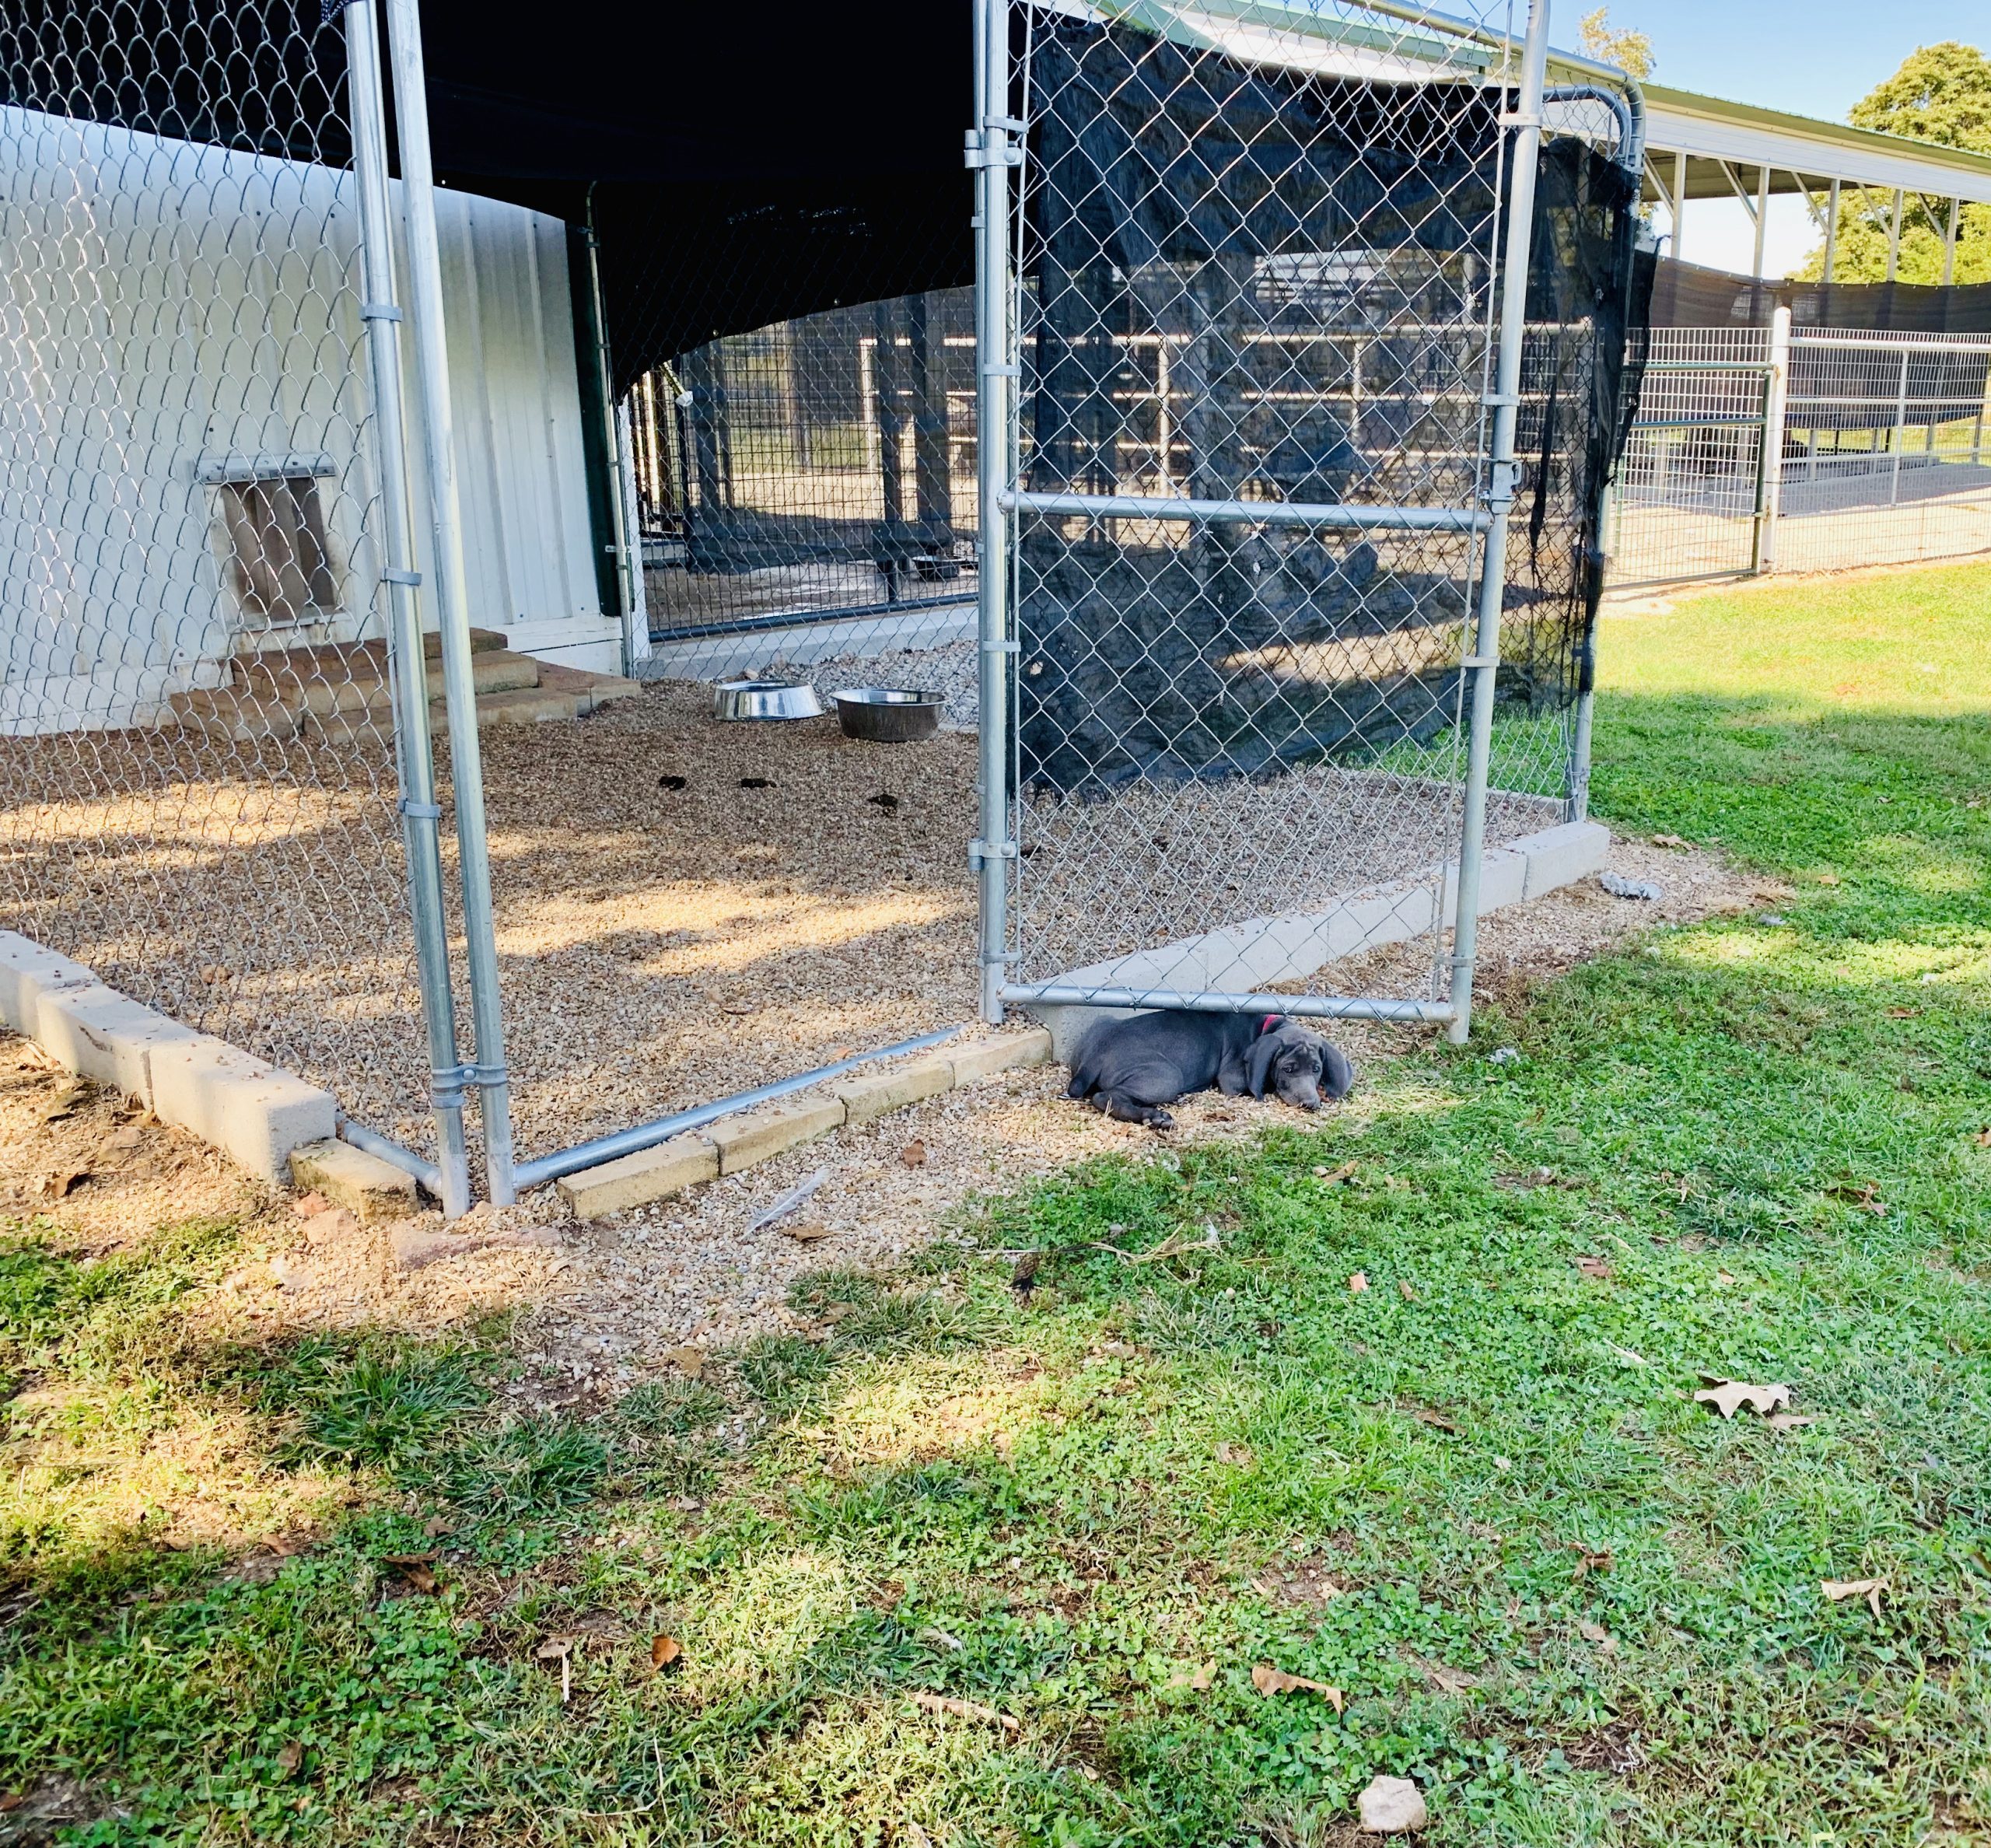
(1596, 1633)
(1983, 1138)
(1334, 1177)
(417, 1568)
(1239, 1456)
(1405, 1290)
(1864, 1195)
(967, 1710)
(1591, 1562)
(665, 1651)
(809, 1232)
(1667, 840)
(1200, 1679)
(1270, 1682)
(913, 1154)
(1839, 1589)
(1728, 1396)
(689, 1361)
(289, 1757)
(1595, 1267)
(1788, 1421)
(1359, 1283)
(70, 1096)
(1437, 1420)
(64, 1182)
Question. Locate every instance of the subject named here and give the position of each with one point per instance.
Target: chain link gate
(1261, 325)
(215, 713)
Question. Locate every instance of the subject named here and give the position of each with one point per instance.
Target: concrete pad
(866, 1098)
(106, 1037)
(367, 1186)
(986, 1058)
(636, 1180)
(27, 972)
(760, 1135)
(246, 1106)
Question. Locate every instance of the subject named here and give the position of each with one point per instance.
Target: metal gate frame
(996, 146)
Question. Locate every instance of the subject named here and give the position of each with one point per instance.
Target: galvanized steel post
(1483, 662)
(992, 152)
(431, 365)
(1776, 394)
(416, 769)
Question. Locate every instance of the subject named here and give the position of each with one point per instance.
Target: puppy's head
(1299, 1068)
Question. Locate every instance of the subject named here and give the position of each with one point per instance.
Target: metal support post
(416, 769)
(1679, 208)
(1761, 215)
(1832, 231)
(1900, 433)
(1949, 228)
(1894, 236)
(991, 152)
(431, 365)
(1776, 389)
(618, 518)
(1503, 470)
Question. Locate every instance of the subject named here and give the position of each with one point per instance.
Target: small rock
(309, 1205)
(1772, 918)
(1392, 1806)
(1504, 1055)
(1619, 887)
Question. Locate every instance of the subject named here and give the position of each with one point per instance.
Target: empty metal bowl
(766, 699)
(887, 715)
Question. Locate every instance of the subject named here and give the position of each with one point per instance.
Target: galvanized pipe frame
(448, 1176)
(487, 1071)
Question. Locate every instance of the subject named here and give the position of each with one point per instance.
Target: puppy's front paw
(1160, 1119)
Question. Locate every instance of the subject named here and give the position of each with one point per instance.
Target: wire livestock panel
(1256, 302)
(199, 779)
(1879, 455)
(1884, 452)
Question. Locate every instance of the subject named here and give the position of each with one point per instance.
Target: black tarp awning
(744, 167)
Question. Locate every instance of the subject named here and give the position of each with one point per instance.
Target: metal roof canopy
(1709, 131)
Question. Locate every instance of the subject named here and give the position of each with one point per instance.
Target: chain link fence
(1802, 449)
(198, 776)
(1263, 422)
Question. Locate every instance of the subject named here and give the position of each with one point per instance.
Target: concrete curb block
(732, 1143)
(246, 1106)
(369, 1187)
(1264, 952)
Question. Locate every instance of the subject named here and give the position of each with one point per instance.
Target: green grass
(1575, 1605)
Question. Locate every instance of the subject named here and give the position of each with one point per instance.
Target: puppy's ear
(1337, 1075)
(1258, 1062)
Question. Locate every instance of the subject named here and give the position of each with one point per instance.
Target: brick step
(342, 660)
(518, 705)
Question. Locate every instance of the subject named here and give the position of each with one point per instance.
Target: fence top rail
(1894, 343)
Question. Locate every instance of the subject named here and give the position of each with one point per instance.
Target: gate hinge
(378, 311)
(447, 1084)
(395, 574)
(979, 851)
(979, 154)
(1518, 120)
(419, 811)
(1481, 661)
(1505, 479)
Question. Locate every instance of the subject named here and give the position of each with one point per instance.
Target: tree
(1942, 94)
(1630, 51)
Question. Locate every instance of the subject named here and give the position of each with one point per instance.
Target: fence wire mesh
(1258, 270)
(197, 776)
(1880, 456)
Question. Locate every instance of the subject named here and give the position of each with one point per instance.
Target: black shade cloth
(746, 167)
(1268, 222)
(1685, 295)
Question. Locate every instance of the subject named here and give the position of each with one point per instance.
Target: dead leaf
(689, 1361)
(414, 1567)
(118, 1141)
(808, 1233)
(1592, 1562)
(967, 1710)
(1334, 1177)
(1787, 1421)
(1727, 1396)
(290, 1758)
(1864, 1195)
(1903, 1014)
(1839, 1590)
(1199, 1679)
(1983, 1138)
(1449, 1680)
(1594, 1267)
(1667, 840)
(913, 1154)
(1596, 1633)
(1723, 1277)
(1238, 1455)
(309, 1205)
(1437, 1420)
(1359, 1283)
(1828, 878)
(1269, 1681)
(435, 1528)
(664, 1650)
(60, 1186)
(1405, 1290)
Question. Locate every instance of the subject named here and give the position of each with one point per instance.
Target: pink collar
(1268, 1023)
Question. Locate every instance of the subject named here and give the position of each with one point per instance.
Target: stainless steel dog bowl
(887, 715)
(766, 699)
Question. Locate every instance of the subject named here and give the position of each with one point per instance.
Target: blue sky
(1813, 57)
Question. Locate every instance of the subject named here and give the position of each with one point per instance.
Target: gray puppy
(1130, 1069)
